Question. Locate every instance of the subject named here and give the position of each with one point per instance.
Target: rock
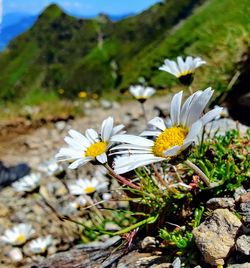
(215, 237)
(4, 210)
(177, 263)
(106, 104)
(238, 193)
(60, 125)
(136, 259)
(111, 227)
(243, 244)
(220, 202)
(221, 126)
(245, 212)
(245, 198)
(15, 255)
(243, 265)
(149, 242)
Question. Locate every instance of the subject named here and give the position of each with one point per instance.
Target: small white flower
(141, 93)
(40, 245)
(18, 235)
(182, 69)
(51, 167)
(28, 183)
(86, 186)
(81, 201)
(91, 146)
(73, 206)
(168, 141)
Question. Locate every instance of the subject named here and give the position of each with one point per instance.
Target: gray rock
(221, 126)
(220, 202)
(177, 263)
(243, 244)
(215, 237)
(245, 212)
(243, 265)
(60, 125)
(238, 193)
(148, 242)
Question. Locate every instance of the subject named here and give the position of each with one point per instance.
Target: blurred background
(62, 51)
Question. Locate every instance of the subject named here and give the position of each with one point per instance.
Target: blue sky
(85, 7)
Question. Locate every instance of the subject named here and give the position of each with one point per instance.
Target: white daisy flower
(18, 235)
(169, 141)
(81, 201)
(91, 146)
(28, 183)
(51, 167)
(183, 69)
(86, 186)
(141, 93)
(40, 245)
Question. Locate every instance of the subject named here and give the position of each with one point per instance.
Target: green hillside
(62, 52)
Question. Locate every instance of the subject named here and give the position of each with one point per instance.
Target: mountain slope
(98, 55)
(12, 30)
(218, 32)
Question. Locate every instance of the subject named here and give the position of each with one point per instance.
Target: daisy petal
(124, 164)
(211, 115)
(107, 128)
(79, 137)
(102, 158)
(194, 131)
(79, 162)
(92, 135)
(158, 123)
(151, 133)
(175, 108)
(132, 139)
(198, 105)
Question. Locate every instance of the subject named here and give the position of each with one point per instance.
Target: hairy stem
(201, 174)
(121, 179)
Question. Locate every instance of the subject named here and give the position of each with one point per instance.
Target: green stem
(149, 220)
(190, 89)
(201, 174)
(144, 112)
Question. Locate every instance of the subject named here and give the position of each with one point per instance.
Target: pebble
(15, 255)
(149, 242)
(243, 244)
(216, 236)
(238, 193)
(220, 202)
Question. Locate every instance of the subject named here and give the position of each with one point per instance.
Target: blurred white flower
(18, 235)
(106, 196)
(141, 93)
(73, 206)
(186, 123)
(183, 69)
(28, 183)
(81, 201)
(51, 167)
(40, 245)
(86, 186)
(91, 146)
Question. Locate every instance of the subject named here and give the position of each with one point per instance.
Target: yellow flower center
(21, 239)
(184, 73)
(168, 138)
(89, 190)
(96, 149)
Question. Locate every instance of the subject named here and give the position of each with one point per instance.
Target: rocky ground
(38, 146)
